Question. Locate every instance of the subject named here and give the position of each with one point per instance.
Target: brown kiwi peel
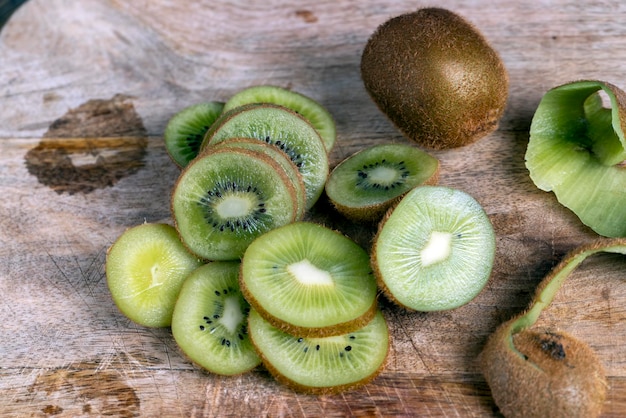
(540, 373)
(436, 77)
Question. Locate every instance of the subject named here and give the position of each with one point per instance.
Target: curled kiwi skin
(544, 373)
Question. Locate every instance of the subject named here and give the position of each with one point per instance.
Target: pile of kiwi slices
(244, 278)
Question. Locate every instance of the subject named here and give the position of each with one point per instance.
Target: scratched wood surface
(86, 89)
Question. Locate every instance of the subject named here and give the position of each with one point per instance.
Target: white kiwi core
(308, 274)
(234, 207)
(383, 175)
(232, 316)
(437, 248)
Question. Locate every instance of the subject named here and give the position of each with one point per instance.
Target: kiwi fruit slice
(364, 185)
(538, 372)
(225, 198)
(309, 280)
(310, 109)
(145, 269)
(434, 250)
(210, 320)
(283, 161)
(321, 365)
(284, 129)
(186, 129)
(576, 150)
(435, 76)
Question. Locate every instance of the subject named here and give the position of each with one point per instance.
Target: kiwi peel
(546, 373)
(434, 250)
(367, 183)
(210, 323)
(576, 150)
(435, 76)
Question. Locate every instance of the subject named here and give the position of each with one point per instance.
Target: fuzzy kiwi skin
(435, 76)
(555, 376)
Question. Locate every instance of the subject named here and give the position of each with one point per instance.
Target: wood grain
(86, 90)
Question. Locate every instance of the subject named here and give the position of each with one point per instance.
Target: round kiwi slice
(281, 158)
(145, 269)
(312, 111)
(577, 150)
(321, 365)
(309, 280)
(186, 129)
(435, 250)
(210, 321)
(227, 197)
(364, 185)
(284, 129)
(435, 76)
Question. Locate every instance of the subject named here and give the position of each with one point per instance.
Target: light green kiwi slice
(186, 129)
(210, 320)
(434, 251)
(310, 109)
(364, 185)
(281, 158)
(145, 269)
(577, 150)
(321, 365)
(226, 198)
(308, 279)
(285, 130)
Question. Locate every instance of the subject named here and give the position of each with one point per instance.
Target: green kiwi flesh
(185, 130)
(321, 365)
(436, 77)
(145, 269)
(284, 129)
(307, 279)
(434, 250)
(281, 158)
(210, 320)
(226, 198)
(364, 185)
(576, 150)
(310, 109)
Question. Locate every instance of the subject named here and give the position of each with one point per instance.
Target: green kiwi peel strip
(577, 150)
(551, 284)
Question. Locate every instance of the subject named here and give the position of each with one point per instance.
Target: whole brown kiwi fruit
(435, 76)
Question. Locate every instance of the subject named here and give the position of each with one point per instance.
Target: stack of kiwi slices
(244, 279)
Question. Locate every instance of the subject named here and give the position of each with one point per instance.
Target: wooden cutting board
(86, 89)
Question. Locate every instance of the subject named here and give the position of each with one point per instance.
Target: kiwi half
(186, 129)
(435, 76)
(310, 109)
(226, 198)
(145, 269)
(309, 280)
(364, 185)
(281, 158)
(576, 150)
(321, 365)
(434, 250)
(210, 320)
(285, 130)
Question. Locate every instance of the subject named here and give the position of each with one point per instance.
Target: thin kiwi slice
(577, 150)
(312, 110)
(435, 250)
(145, 269)
(226, 198)
(186, 129)
(210, 322)
(281, 158)
(309, 280)
(321, 365)
(284, 129)
(364, 185)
